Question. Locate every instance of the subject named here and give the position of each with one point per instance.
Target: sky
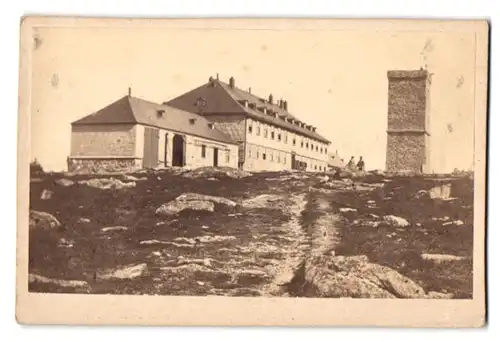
(335, 80)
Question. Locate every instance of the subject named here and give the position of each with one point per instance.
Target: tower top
(408, 74)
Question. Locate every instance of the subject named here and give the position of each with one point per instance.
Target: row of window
(278, 137)
(276, 157)
(204, 153)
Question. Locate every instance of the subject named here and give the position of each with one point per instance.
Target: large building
(408, 121)
(132, 133)
(269, 137)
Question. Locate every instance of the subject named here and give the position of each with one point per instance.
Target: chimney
(271, 98)
(217, 76)
(250, 90)
(129, 91)
(285, 105)
(231, 82)
(210, 79)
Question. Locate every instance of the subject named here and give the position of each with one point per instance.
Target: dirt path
(325, 234)
(293, 253)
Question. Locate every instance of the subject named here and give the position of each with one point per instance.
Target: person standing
(351, 165)
(361, 164)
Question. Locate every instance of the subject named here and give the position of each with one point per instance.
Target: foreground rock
(34, 278)
(107, 183)
(395, 221)
(127, 272)
(46, 194)
(42, 220)
(216, 172)
(193, 201)
(64, 182)
(439, 258)
(262, 201)
(356, 277)
(442, 191)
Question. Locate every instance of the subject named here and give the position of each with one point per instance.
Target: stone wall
(405, 152)
(407, 120)
(108, 140)
(102, 165)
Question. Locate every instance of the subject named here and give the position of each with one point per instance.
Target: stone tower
(408, 121)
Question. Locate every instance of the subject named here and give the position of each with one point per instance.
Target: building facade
(269, 137)
(408, 121)
(132, 133)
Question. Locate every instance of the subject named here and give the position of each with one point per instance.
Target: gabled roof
(221, 98)
(132, 110)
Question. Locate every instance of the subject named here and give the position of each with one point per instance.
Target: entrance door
(216, 156)
(178, 150)
(151, 144)
(294, 166)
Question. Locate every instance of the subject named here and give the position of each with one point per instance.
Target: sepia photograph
(340, 162)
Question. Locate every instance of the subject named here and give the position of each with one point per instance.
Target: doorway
(178, 150)
(151, 144)
(166, 150)
(216, 157)
(294, 166)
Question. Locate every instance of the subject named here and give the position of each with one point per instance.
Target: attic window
(192, 121)
(160, 113)
(211, 125)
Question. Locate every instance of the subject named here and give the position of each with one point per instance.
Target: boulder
(262, 201)
(356, 277)
(113, 229)
(345, 210)
(395, 221)
(34, 278)
(442, 191)
(107, 183)
(46, 194)
(64, 182)
(193, 201)
(439, 258)
(216, 172)
(126, 272)
(42, 220)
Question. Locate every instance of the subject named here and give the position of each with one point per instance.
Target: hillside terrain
(227, 232)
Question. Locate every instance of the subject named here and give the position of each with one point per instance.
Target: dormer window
(160, 113)
(211, 125)
(192, 121)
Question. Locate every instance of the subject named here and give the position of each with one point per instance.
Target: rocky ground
(225, 232)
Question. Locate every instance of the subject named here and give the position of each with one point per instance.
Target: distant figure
(351, 164)
(361, 164)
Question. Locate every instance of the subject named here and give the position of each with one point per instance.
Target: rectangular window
(258, 130)
(286, 138)
(272, 156)
(250, 129)
(265, 132)
(307, 145)
(316, 148)
(203, 151)
(272, 135)
(279, 159)
(263, 156)
(293, 142)
(227, 156)
(301, 144)
(249, 152)
(279, 137)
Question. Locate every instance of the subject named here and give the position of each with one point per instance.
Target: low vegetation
(266, 234)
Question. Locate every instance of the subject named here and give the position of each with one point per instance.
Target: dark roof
(221, 98)
(132, 110)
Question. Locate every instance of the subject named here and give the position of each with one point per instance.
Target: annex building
(132, 133)
(268, 135)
